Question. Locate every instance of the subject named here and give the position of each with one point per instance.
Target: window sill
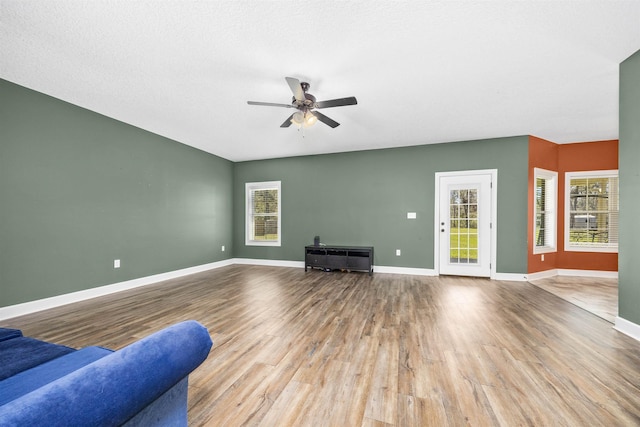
(590, 249)
(543, 250)
(259, 243)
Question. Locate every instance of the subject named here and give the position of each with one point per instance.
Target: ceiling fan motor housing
(308, 103)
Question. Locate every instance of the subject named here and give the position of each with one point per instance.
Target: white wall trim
(588, 273)
(628, 328)
(572, 273)
(511, 277)
(300, 264)
(268, 262)
(404, 270)
(59, 300)
(543, 274)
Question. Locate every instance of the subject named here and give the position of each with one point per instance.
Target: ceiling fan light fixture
(298, 118)
(310, 119)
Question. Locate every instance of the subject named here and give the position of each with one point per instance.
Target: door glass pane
(463, 231)
(453, 248)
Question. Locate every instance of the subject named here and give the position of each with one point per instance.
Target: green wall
(629, 169)
(362, 198)
(78, 190)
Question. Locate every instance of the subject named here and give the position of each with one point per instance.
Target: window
(591, 214)
(545, 202)
(263, 213)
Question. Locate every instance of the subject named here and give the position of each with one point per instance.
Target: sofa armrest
(116, 387)
(7, 334)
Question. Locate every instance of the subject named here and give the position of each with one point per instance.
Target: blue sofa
(143, 384)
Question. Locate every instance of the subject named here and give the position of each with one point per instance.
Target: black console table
(339, 258)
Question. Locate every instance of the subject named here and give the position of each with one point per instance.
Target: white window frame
(249, 188)
(551, 211)
(567, 211)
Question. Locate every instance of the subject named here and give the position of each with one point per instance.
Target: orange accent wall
(542, 154)
(576, 157)
(588, 156)
(584, 156)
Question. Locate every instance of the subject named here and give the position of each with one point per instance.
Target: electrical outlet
(222, 248)
(542, 257)
(411, 215)
(116, 263)
(398, 252)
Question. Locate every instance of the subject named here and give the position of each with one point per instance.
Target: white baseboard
(627, 328)
(543, 274)
(511, 277)
(404, 270)
(46, 303)
(572, 273)
(268, 262)
(300, 264)
(588, 273)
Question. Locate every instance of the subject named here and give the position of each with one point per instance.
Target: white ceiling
(423, 71)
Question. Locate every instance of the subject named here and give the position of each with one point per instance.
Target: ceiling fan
(306, 105)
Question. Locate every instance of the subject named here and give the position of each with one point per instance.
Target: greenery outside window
(591, 213)
(545, 205)
(263, 217)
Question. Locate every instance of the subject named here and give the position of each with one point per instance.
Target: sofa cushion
(31, 379)
(7, 334)
(22, 353)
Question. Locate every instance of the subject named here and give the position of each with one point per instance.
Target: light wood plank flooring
(596, 295)
(345, 349)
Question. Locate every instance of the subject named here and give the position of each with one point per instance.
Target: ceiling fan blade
(326, 120)
(296, 88)
(269, 104)
(337, 102)
(287, 122)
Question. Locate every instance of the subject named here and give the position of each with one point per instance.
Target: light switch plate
(411, 215)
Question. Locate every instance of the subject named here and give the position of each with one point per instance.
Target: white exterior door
(464, 215)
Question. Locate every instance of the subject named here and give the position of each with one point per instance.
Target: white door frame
(494, 215)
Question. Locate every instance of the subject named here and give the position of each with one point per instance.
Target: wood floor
(345, 349)
(596, 295)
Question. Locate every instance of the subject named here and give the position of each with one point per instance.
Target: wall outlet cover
(411, 215)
